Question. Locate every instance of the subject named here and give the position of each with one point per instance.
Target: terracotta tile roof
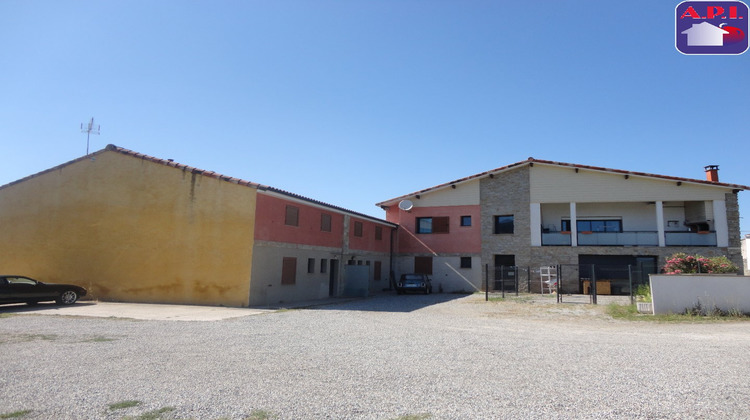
(531, 161)
(239, 181)
(211, 174)
(186, 168)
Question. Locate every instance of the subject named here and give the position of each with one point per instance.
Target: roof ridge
(188, 168)
(531, 161)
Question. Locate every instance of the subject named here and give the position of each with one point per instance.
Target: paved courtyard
(387, 357)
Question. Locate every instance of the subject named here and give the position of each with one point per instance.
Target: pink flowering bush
(681, 263)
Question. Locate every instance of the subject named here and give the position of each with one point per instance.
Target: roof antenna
(89, 129)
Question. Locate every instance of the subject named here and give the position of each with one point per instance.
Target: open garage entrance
(613, 273)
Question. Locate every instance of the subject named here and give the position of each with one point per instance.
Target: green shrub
(643, 293)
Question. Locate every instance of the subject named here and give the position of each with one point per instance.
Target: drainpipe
(392, 273)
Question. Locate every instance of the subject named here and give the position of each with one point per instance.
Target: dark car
(414, 283)
(20, 289)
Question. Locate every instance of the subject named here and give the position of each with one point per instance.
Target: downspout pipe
(392, 280)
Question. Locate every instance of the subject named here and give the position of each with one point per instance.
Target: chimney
(712, 173)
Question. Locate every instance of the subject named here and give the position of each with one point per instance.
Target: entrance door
(332, 276)
(505, 272)
(423, 265)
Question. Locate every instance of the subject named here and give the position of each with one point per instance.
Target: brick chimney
(712, 173)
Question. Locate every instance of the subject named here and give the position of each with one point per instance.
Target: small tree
(681, 263)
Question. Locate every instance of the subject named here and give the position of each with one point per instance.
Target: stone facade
(734, 252)
(508, 193)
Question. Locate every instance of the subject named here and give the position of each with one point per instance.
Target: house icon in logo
(705, 34)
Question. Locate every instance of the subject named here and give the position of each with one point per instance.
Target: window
(377, 271)
(594, 225)
(432, 224)
(504, 224)
(325, 222)
(310, 265)
(465, 220)
(465, 262)
(289, 271)
(358, 229)
(323, 266)
(378, 233)
(292, 216)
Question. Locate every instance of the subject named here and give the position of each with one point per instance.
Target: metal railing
(690, 238)
(618, 238)
(631, 238)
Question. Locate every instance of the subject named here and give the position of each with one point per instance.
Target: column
(535, 210)
(660, 223)
(720, 223)
(573, 225)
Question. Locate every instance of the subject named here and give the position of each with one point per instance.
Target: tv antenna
(89, 129)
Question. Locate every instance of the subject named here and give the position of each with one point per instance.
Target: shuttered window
(325, 222)
(358, 229)
(423, 265)
(433, 224)
(292, 216)
(378, 233)
(289, 271)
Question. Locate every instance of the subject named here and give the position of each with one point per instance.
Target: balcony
(618, 239)
(640, 238)
(690, 238)
(556, 238)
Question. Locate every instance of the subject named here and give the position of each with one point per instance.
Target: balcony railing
(690, 238)
(555, 238)
(618, 238)
(642, 238)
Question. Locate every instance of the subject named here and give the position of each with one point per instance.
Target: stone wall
(506, 193)
(734, 252)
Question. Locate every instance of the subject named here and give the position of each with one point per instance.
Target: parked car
(414, 283)
(20, 289)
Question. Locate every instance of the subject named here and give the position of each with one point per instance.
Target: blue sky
(355, 102)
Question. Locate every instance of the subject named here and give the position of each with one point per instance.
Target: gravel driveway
(387, 357)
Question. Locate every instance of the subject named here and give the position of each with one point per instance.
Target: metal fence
(568, 280)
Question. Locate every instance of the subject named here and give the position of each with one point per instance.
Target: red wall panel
(269, 223)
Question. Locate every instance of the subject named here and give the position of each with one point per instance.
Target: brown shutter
(292, 216)
(325, 222)
(423, 265)
(289, 271)
(440, 224)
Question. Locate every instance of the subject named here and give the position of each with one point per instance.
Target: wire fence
(568, 281)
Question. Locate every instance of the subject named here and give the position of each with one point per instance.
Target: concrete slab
(143, 311)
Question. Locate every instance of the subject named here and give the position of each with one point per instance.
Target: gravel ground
(387, 357)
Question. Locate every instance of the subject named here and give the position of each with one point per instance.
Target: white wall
(676, 293)
(745, 253)
(446, 272)
(562, 184)
(634, 216)
(465, 194)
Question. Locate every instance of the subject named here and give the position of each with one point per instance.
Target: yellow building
(128, 227)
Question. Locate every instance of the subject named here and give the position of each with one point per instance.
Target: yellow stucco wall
(133, 230)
